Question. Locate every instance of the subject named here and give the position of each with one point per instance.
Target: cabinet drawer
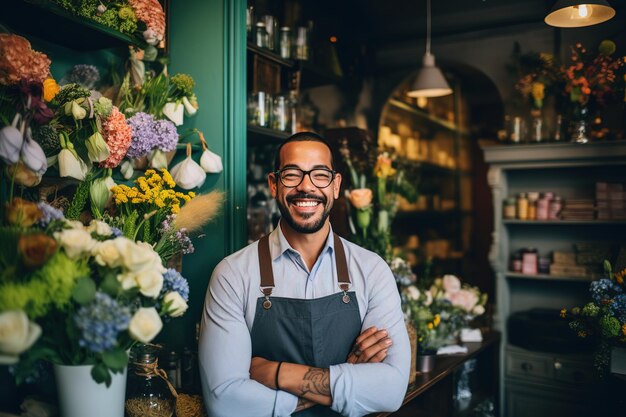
(573, 372)
(521, 365)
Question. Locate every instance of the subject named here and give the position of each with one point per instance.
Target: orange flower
(50, 89)
(360, 198)
(36, 249)
(383, 168)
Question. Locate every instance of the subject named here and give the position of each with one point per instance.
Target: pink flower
(118, 135)
(151, 13)
(465, 299)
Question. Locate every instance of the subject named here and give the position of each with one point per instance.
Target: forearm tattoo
(316, 381)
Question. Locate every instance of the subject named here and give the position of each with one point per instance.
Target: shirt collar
(279, 244)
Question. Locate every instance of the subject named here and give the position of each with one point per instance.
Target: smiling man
(302, 321)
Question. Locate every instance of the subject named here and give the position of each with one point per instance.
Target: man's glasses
(292, 177)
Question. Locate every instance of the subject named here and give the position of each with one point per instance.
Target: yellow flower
(175, 209)
(430, 326)
(437, 320)
(136, 200)
(167, 177)
(582, 333)
(619, 276)
(538, 90)
(50, 89)
(383, 168)
(563, 313)
(191, 194)
(624, 329)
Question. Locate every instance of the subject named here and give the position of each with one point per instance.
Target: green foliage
(69, 92)
(183, 85)
(48, 138)
(80, 199)
(84, 291)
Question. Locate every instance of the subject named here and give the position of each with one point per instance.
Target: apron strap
(265, 265)
(343, 277)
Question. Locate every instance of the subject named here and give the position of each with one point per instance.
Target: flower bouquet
(603, 319)
(441, 311)
(374, 197)
(75, 295)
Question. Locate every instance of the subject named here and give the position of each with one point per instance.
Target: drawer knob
(527, 366)
(558, 365)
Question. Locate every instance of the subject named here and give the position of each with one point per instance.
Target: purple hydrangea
(115, 232)
(144, 136)
(100, 322)
(604, 289)
(48, 214)
(174, 281)
(166, 134)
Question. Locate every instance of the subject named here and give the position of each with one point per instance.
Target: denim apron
(318, 332)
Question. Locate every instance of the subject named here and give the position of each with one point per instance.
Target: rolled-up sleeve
(225, 354)
(359, 389)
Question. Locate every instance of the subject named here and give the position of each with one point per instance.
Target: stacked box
(610, 201)
(564, 264)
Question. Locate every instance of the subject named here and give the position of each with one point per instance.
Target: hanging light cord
(427, 27)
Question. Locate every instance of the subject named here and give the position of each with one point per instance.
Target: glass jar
(516, 262)
(271, 27)
(302, 43)
(509, 208)
(530, 259)
(249, 20)
(537, 127)
(261, 37)
(259, 109)
(542, 207)
(522, 206)
(532, 205)
(292, 108)
(285, 42)
(554, 208)
(516, 130)
(280, 119)
(148, 392)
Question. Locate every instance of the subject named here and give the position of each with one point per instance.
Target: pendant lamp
(429, 82)
(579, 13)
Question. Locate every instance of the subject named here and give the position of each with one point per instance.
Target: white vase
(80, 396)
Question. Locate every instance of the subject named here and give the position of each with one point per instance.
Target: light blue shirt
(225, 347)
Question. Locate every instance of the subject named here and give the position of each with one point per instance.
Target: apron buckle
(267, 304)
(345, 298)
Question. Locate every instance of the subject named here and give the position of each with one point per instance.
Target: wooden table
(432, 393)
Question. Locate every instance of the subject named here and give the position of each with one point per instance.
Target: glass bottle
(302, 43)
(522, 206)
(271, 27)
(148, 392)
(532, 205)
(280, 114)
(554, 209)
(537, 127)
(292, 109)
(509, 209)
(516, 130)
(285, 42)
(261, 37)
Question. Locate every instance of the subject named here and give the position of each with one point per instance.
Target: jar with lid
(509, 210)
(542, 207)
(148, 391)
(554, 209)
(271, 27)
(280, 116)
(533, 197)
(261, 37)
(302, 43)
(259, 109)
(522, 206)
(285, 42)
(530, 259)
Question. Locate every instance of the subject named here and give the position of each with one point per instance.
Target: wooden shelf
(272, 56)
(431, 167)
(452, 127)
(564, 222)
(50, 22)
(432, 213)
(258, 135)
(548, 277)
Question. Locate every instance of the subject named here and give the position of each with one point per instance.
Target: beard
(305, 228)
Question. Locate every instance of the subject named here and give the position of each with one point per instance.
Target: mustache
(305, 196)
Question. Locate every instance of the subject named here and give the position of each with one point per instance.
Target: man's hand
(371, 346)
(264, 371)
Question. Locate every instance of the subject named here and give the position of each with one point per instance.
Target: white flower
(178, 304)
(187, 174)
(100, 227)
(16, 335)
(478, 310)
(412, 293)
(211, 162)
(11, 141)
(150, 282)
(190, 110)
(158, 159)
(75, 110)
(73, 224)
(107, 254)
(127, 169)
(138, 256)
(127, 280)
(145, 324)
(100, 192)
(71, 166)
(151, 37)
(97, 148)
(76, 242)
(175, 112)
(465, 299)
(429, 298)
(451, 284)
(32, 155)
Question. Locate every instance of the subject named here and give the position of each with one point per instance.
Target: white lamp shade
(429, 82)
(579, 13)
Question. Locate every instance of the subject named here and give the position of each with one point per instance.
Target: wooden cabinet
(433, 144)
(539, 382)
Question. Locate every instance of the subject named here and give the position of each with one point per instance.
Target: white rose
(429, 298)
(150, 282)
(76, 242)
(145, 324)
(16, 335)
(74, 224)
(178, 304)
(451, 284)
(101, 228)
(478, 310)
(138, 256)
(127, 280)
(106, 253)
(412, 293)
